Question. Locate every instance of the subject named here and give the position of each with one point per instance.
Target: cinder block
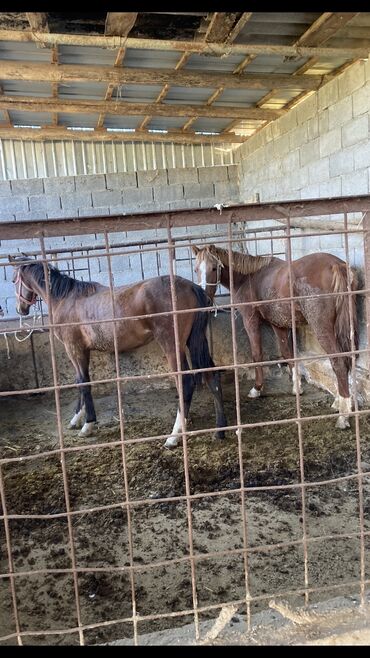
(93, 212)
(319, 171)
(185, 176)
(152, 177)
(13, 204)
(75, 201)
(298, 136)
(139, 196)
(351, 79)
(117, 210)
(340, 113)
(332, 187)
(6, 216)
(47, 202)
(216, 174)
(330, 142)
(5, 189)
(106, 198)
(121, 180)
(355, 130)
(341, 163)
(30, 215)
(309, 152)
(198, 190)
(355, 183)
(62, 214)
(208, 203)
(327, 95)
(362, 155)
(227, 191)
(361, 100)
(185, 204)
(290, 162)
(169, 193)
(307, 109)
(28, 186)
(313, 128)
(323, 118)
(62, 185)
(90, 183)
(232, 170)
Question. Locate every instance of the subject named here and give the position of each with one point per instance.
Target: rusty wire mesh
(233, 236)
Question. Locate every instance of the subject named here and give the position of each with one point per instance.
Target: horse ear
(195, 249)
(11, 258)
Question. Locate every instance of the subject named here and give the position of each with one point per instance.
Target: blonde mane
(243, 263)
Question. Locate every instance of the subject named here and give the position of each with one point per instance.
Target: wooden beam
(122, 108)
(238, 27)
(13, 70)
(50, 134)
(215, 49)
(324, 28)
(108, 94)
(22, 229)
(220, 26)
(119, 24)
(38, 21)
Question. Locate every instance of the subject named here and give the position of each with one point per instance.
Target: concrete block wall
(111, 194)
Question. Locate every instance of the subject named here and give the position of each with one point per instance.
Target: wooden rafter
(47, 134)
(122, 108)
(215, 49)
(54, 86)
(14, 70)
(119, 24)
(238, 27)
(38, 21)
(108, 94)
(220, 26)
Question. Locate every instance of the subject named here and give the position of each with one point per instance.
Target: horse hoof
(87, 429)
(342, 423)
(254, 393)
(219, 436)
(335, 404)
(171, 442)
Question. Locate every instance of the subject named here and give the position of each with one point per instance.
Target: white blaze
(203, 275)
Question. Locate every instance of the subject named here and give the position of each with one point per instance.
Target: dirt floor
(159, 529)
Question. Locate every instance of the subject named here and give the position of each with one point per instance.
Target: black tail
(197, 341)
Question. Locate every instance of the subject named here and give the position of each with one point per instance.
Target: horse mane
(243, 263)
(61, 285)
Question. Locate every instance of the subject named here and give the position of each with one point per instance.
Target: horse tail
(342, 324)
(197, 341)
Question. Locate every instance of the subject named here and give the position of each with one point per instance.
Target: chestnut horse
(259, 278)
(79, 301)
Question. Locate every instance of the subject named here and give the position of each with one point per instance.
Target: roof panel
(161, 59)
(77, 120)
(30, 118)
(164, 123)
(240, 97)
(85, 55)
(188, 95)
(207, 124)
(114, 121)
(222, 64)
(26, 88)
(81, 90)
(24, 51)
(138, 93)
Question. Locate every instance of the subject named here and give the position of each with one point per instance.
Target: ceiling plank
(58, 133)
(14, 70)
(38, 21)
(215, 49)
(220, 25)
(122, 108)
(119, 24)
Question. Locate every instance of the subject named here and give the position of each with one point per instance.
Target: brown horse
(79, 301)
(259, 278)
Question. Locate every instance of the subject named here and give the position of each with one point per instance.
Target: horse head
(208, 268)
(24, 291)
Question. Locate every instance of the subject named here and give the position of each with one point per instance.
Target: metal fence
(42, 534)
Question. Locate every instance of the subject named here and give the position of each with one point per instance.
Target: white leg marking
(254, 393)
(173, 439)
(77, 419)
(203, 275)
(335, 404)
(297, 385)
(345, 407)
(87, 429)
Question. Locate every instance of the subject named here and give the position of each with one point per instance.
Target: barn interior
(126, 139)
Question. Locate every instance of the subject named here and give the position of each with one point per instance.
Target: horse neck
(238, 278)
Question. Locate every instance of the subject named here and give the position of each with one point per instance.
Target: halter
(19, 286)
(218, 272)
